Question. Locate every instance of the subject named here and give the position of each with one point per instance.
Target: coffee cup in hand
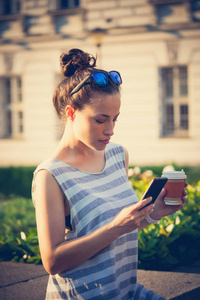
(174, 187)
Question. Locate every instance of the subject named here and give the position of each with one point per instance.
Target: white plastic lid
(175, 174)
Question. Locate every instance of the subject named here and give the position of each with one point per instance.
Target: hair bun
(76, 60)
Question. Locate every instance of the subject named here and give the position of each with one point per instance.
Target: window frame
(12, 105)
(55, 8)
(13, 10)
(72, 4)
(174, 128)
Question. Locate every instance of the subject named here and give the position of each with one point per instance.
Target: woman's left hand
(162, 210)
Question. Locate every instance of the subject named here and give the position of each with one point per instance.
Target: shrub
(193, 173)
(16, 181)
(18, 234)
(173, 242)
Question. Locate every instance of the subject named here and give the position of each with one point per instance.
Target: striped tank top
(94, 200)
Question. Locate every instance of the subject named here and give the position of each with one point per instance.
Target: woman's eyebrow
(103, 115)
(106, 116)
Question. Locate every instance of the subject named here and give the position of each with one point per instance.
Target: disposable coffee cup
(174, 187)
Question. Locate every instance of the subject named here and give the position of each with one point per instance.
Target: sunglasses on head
(101, 79)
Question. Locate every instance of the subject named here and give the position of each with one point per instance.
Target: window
(19, 89)
(58, 7)
(168, 11)
(9, 7)
(65, 4)
(175, 110)
(20, 122)
(184, 116)
(11, 107)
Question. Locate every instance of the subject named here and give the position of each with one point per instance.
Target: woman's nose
(109, 130)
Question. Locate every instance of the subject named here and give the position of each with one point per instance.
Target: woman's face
(94, 125)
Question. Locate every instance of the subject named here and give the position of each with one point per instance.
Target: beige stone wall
(127, 47)
(138, 128)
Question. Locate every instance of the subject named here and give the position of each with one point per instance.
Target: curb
(19, 281)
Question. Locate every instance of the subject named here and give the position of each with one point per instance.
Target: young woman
(85, 181)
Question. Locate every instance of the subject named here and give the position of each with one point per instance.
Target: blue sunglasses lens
(116, 77)
(100, 78)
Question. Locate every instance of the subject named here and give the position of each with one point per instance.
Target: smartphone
(154, 189)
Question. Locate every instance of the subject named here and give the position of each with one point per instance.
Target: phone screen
(154, 189)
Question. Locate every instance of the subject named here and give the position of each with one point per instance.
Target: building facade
(155, 45)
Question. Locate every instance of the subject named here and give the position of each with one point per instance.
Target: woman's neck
(78, 155)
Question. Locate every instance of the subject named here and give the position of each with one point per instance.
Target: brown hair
(75, 66)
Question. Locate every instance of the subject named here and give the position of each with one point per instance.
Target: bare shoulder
(47, 186)
(44, 175)
(45, 178)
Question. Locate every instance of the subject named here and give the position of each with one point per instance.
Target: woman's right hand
(130, 217)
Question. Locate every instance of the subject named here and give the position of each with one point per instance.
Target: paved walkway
(28, 282)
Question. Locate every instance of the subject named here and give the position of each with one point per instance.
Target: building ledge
(69, 11)
(11, 17)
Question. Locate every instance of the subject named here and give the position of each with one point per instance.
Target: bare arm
(59, 255)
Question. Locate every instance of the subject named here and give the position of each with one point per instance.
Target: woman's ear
(70, 111)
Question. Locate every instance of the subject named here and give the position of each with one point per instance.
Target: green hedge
(18, 234)
(193, 173)
(16, 181)
(173, 242)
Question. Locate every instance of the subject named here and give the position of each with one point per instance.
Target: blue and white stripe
(95, 199)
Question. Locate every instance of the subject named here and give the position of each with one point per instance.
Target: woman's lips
(105, 141)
